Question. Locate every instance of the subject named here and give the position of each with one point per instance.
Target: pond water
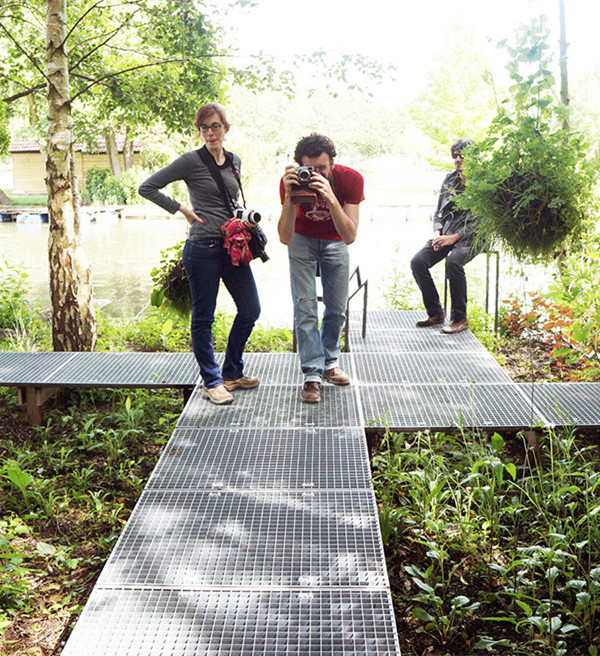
(123, 252)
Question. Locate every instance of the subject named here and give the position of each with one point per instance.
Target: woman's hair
(207, 110)
(313, 146)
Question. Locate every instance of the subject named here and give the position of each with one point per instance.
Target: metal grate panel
(387, 319)
(128, 370)
(281, 368)
(234, 623)
(428, 368)
(250, 538)
(277, 405)
(438, 407)
(197, 458)
(566, 404)
(21, 368)
(426, 340)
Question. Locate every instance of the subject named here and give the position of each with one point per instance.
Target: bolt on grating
(235, 623)
(441, 367)
(250, 538)
(439, 407)
(242, 458)
(274, 406)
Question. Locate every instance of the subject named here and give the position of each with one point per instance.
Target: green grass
(28, 200)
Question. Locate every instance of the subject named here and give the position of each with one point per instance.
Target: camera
(249, 216)
(304, 173)
(301, 194)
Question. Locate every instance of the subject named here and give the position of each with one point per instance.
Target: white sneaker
(218, 395)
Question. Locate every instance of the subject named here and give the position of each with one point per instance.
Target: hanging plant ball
(531, 193)
(529, 181)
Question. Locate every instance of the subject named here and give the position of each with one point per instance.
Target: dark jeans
(206, 262)
(457, 256)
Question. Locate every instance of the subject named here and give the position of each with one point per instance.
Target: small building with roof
(29, 168)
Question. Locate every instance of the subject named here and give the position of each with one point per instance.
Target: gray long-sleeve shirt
(205, 197)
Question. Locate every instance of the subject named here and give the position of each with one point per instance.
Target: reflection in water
(123, 253)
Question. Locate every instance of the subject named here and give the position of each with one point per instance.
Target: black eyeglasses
(455, 155)
(215, 127)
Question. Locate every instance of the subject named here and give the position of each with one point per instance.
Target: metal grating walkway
(257, 532)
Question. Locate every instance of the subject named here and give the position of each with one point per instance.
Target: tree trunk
(73, 316)
(564, 85)
(113, 153)
(128, 153)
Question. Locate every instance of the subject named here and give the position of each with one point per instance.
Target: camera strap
(214, 170)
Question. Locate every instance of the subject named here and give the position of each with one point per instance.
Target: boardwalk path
(258, 533)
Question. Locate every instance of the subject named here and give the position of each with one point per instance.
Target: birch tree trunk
(112, 151)
(73, 316)
(128, 151)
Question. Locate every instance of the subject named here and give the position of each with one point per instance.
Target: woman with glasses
(205, 260)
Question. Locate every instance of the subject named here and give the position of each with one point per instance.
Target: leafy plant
(171, 288)
(529, 179)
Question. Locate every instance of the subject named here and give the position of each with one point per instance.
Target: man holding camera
(454, 240)
(319, 219)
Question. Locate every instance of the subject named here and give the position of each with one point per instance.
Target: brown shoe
(245, 382)
(456, 327)
(218, 395)
(311, 392)
(433, 320)
(336, 376)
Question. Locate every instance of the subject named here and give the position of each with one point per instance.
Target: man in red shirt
(317, 232)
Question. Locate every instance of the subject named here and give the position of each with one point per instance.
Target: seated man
(454, 240)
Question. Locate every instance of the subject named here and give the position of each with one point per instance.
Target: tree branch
(125, 70)
(22, 94)
(27, 55)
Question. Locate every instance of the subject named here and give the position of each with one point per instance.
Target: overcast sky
(408, 33)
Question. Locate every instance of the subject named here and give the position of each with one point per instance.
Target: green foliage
(170, 285)
(493, 537)
(104, 188)
(529, 180)
(13, 294)
(456, 102)
(566, 316)
(21, 326)
(14, 582)
(67, 488)
(4, 129)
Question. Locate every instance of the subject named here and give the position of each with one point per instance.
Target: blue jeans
(206, 262)
(457, 256)
(318, 349)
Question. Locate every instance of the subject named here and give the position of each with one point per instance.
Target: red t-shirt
(315, 220)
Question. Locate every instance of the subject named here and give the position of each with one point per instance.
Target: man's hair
(313, 146)
(459, 145)
(208, 110)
